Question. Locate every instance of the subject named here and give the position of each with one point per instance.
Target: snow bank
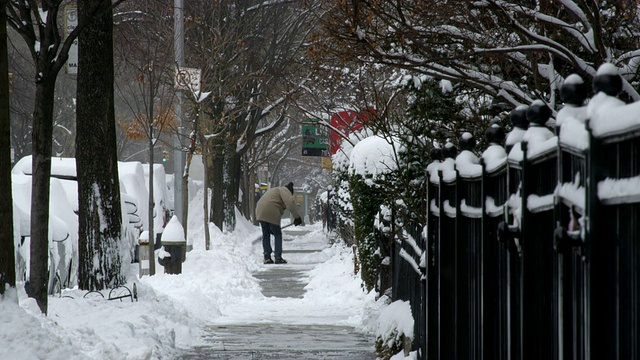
(216, 286)
(26, 334)
(394, 324)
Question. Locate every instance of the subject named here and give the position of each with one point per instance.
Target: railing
(536, 256)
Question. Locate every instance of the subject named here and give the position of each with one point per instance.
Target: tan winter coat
(272, 204)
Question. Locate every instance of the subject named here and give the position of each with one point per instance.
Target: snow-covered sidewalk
(215, 286)
(289, 323)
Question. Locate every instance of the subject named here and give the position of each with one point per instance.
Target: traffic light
(165, 156)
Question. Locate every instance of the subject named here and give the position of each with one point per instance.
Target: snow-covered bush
(370, 162)
(341, 205)
(394, 331)
(366, 203)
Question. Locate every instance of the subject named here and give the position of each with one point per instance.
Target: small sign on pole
(71, 21)
(313, 142)
(188, 79)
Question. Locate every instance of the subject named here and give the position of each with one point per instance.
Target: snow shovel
(259, 239)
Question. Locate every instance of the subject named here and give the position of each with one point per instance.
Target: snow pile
(216, 286)
(25, 334)
(394, 325)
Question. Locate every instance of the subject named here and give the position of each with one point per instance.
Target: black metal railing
(536, 259)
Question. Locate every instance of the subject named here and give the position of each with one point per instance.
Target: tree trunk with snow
(184, 173)
(152, 235)
(205, 203)
(214, 165)
(49, 52)
(41, 176)
(100, 216)
(232, 187)
(7, 256)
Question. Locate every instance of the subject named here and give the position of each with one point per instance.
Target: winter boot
(267, 259)
(281, 261)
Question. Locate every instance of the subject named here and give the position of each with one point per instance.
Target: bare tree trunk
(185, 193)
(216, 182)
(7, 255)
(252, 182)
(100, 215)
(48, 62)
(205, 201)
(185, 175)
(152, 236)
(40, 192)
(248, 195)
(232, 186)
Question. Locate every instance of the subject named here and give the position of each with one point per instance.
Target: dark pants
(267, 230)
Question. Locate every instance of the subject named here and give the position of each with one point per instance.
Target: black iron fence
(534, 254)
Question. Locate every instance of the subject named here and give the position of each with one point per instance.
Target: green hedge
(366, 200)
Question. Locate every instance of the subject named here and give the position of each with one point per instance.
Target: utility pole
(178, 44)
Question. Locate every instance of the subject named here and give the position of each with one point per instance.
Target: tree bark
(41, 176)
(152, 236)
(232, 186)
(7, 251)
(205, 202)
(100, 215)
(215, 166)
(184, 173)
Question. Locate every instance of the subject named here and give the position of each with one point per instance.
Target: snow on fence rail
(532, 250)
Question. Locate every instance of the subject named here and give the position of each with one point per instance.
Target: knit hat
(290, 187)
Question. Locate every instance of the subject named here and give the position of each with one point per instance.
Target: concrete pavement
(283, 341)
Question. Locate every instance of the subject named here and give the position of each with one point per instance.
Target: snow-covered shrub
(366, 202)
(341, 200)
(394, 331)
(372, 159)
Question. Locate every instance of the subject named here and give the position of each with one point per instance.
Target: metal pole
(178, 156)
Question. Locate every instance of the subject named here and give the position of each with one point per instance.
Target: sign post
(178, 155)
(188, 79)
(71, 21)
(314, 143)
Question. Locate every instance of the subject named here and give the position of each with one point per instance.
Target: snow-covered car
(63, 218)
(63, 228)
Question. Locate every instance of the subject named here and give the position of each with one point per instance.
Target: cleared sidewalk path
(264, 337)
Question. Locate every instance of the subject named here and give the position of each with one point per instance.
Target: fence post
(448, 339)
(433, 260)
(494, 271)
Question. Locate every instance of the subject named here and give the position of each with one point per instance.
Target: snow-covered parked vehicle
(63, 225)
(63, 218)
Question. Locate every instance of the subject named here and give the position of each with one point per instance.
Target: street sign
(314, 142)
(188, 79)
(71, 21)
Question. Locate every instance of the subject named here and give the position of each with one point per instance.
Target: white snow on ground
(215, 286)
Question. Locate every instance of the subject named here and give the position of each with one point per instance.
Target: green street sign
(314, 143)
